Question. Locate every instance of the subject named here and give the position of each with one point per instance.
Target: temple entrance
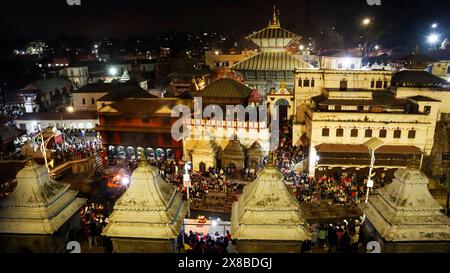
(202, 167)
(283, 106)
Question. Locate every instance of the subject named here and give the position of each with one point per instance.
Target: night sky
(403, 21)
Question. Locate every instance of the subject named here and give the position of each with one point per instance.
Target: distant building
(36, 122)
(339, 123)
(341, 61)
(440, 69)
(85, 98)
(49, 94)
(79, 75)
(131, 125)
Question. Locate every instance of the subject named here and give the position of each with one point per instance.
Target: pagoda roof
(118, 92)
(255, 149)
(205, 147)
(413, 78)
(272, 61)
(234, 148)
(149, 208)
(226, 88)
(39, 204)
(406, 211)
(272, 32)
(268, 211)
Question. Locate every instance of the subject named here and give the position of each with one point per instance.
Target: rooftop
(58, 115)
(226, 88)
(411, 78)
(272, 61)
(118, 92)
(423, 98)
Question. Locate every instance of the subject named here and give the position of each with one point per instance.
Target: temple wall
(130, 245)
(246, 246)
(36, 243)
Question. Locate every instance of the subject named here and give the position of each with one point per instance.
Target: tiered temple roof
(39, 204)
(405, 211)
(267, 211)
(255, 149)
(272, 61)
(149, 209)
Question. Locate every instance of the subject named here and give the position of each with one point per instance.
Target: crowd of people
(94, 217)
(201, 183)
(13, 111)
(343, 189)
(75, 150)
(343, 237)
(207, 243)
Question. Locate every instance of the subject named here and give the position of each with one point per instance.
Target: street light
(112, 71)
(70, 109)
(366, 21)
(433, 38)
(372, 145)
(434, 25)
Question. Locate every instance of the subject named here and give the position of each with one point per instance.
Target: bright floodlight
(347, 62)
(214, 223)
(433, 38)
(366, 21)
(301, 47)
(377, 47)
(434, 25)
(70, 109)
(112, 71)
(125, 181)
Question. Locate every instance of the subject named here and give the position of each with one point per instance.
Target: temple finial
(271, 160)
(143, 162)
(275, 22)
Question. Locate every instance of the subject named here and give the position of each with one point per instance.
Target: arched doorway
(170, 154)
(150, 154)
(140, 152)
(283, 106)
(160, 155)
(111, 151)
(202, 167)
(130, 153)
(121, 152)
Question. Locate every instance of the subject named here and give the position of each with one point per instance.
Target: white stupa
(405, 211)
(149, 209)
(39, 204)
(267, 211)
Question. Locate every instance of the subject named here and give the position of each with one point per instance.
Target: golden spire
(143, 162)
(275, 18)
(271, 160)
